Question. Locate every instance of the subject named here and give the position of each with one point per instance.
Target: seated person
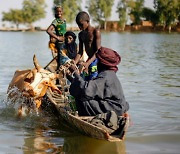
(69, 49)
(66, 54)
(102, 94)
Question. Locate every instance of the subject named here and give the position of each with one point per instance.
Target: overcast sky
(17, 4)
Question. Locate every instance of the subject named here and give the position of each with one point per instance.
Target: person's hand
(80, 67)
(73, 68)
(70, 78)
(80, 63)
(61, 38)
(53, 40)
(86, 66)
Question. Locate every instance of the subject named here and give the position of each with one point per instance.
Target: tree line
(32, 11)
(165, 12)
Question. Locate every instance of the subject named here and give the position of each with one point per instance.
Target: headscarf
(72, 47)
(70, 33)
(108, 58)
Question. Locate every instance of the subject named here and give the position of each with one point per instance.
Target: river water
(149, 73)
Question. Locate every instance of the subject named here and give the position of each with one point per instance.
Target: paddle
(50, 62)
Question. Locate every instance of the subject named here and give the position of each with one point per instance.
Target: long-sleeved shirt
(99, 95)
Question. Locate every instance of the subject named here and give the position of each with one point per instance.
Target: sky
(44, 23)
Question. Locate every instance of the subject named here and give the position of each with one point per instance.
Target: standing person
(90, 39)
(57, 29)
(102, 94)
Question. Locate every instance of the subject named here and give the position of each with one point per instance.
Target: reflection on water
(44, 134)
(149, 73)
(72, 145)
(86, 145)
(40, 143)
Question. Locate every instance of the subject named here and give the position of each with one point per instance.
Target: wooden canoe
(80, 123)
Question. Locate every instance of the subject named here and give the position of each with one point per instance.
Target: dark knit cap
(109, 58)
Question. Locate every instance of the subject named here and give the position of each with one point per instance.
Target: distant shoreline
(128, 28)
(35, 29)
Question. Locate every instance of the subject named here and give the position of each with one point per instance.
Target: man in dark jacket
(104, 93)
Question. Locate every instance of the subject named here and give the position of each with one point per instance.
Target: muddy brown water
(149, 73)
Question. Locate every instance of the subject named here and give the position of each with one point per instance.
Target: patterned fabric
(92, 71)
(63, 56)
(60, 26)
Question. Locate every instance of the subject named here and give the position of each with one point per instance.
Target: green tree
(150, 15)
(136, 8)
(178, 11)
(57, 2)
(70, 8)
(33, 10)
(122, 10)
(167, 11)
(14, 15)
(100, 10)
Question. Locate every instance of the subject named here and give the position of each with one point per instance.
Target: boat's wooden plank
(81, 124)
